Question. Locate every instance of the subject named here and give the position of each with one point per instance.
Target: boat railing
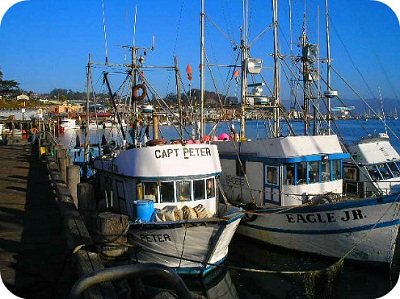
(131, 271)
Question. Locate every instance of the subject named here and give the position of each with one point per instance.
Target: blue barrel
(144, 209)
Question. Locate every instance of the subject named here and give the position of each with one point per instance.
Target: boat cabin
(375, 168)
(172, 175)
(282, 171)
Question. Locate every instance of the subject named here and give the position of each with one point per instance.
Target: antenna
(134, 27)
(104, 29)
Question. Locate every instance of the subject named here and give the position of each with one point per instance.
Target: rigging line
(159, 99)
(104, 29)
(351, 59)
(227, 18)
(265, 30)
(226, 35)
(178, 29)
(377, 57)
(290, 27)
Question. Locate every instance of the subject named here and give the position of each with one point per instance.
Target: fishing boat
(168, 189)
(375, 168)
(292, 186)
(68, 123)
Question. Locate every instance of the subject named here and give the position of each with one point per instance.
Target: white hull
(363, 230)
(190, 247)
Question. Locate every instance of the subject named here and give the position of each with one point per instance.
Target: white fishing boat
(292, 186)
(68, 123)
(169, 192)
(375, 168)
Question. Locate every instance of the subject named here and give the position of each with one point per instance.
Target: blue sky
(44, 44)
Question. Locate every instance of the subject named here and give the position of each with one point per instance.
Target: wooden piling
(73, 179)
(113, 230)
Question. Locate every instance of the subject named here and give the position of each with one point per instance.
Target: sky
(44, 44)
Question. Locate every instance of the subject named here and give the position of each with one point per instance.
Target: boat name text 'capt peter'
(185, 152)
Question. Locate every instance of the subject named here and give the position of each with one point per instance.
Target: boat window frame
(178, 190)
(397, 168)
(214, 190)
(275, 173)
(292, 180)
(382, 173)
(156, 196)
(204, 192)
(174, 191)
(310, 171)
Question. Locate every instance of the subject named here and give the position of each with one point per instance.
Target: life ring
(155, 142)
(135, 92)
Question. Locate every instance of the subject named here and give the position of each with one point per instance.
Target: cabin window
(394, 169)
(384, 170)
(210, 188)
(313, 172)
(198, 190)
(272, 175)
(336, 169)
(167, 193)
(289, 174)
(374, 173)
(240, 168)
(183, 191)
(302, 173)
(151, 191)
(350, 173)
(325, 171)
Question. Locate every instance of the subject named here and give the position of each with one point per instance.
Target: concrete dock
(34, 257)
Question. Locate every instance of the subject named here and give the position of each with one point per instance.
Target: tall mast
(329, 94)
(86, 149)
(276, 70)
(245, 55)
(202, 81)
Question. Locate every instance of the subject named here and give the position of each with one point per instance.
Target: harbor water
(254, 269)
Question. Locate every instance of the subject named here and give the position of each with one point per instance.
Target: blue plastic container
(144, 209)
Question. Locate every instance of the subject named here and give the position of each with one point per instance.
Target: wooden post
(87, 208)
(113, 229)
(73, 179)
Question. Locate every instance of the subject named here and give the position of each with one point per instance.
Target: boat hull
(190, 247)
(362, 230)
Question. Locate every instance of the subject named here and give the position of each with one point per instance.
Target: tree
(8, 87)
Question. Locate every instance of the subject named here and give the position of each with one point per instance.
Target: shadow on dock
(34, 259)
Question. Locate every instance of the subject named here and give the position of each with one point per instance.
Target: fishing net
(321, 283)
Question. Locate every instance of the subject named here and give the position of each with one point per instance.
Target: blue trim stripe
(335, 206)
(199, 270)
(325, 232)
(278, 160)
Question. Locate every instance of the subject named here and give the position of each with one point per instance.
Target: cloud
(394, 5)
(5, 5)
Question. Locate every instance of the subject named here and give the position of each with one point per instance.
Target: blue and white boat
(292, 186)
(374, 168)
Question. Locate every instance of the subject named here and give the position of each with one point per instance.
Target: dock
(34, 256)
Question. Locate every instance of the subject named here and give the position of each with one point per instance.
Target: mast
(329, 93)
(86, 149)
(276, 70)
(202, 81)
(178, 95)
(245, 55)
